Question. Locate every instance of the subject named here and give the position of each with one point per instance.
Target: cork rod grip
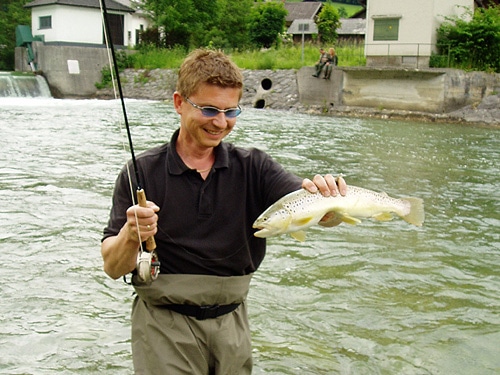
(141, 198)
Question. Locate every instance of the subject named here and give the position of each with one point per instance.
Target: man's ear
(178, 99)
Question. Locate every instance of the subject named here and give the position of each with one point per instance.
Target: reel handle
(141, 199)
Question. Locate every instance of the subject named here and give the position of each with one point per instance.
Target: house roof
(110, 4)
(305, 10)
(352, 26)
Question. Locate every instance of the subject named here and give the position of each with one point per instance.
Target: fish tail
(416, 215)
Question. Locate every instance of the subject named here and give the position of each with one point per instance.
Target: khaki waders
(171, 343)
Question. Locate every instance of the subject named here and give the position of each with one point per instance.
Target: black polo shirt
(205, 226)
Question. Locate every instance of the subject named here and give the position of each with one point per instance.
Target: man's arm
(120, 252)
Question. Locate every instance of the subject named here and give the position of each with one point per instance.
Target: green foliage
(106, 80)
(289, 57)
(267, 22)
(195, 23)
(328, 22)
(471, 45)
(153, 58)
(123, 61)
(12, 13)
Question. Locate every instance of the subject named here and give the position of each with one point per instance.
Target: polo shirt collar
(176, 166)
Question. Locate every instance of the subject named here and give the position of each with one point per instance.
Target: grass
(158, 58)
(286, 57)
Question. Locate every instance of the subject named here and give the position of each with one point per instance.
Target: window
(386, 29)
(303, 27)
(45, 22)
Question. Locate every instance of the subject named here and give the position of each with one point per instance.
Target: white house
(80, 21)
(404, 32)
(137, 22)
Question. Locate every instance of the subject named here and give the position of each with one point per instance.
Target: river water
(376, 298)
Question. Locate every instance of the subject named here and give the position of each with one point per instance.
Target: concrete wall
(430, 90)
(395, 89)
(320, 91)
(73, 72)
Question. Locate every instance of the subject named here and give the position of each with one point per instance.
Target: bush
(473, 45)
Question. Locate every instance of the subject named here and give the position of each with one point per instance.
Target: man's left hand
(327, 185)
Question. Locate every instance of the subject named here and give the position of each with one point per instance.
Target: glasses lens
(232, 113)
(209, 111)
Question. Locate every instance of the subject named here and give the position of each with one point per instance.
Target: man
(323, 58)
(193, 318)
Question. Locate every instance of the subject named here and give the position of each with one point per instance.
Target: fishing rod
(148, 266)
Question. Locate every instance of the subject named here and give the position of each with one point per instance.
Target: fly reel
(148, 267)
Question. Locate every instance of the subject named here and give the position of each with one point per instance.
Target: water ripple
(376, 298)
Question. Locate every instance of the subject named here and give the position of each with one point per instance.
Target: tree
(12, 13)
(473, 44)
(197, 23)
(267, 22)
(231, 31)
(328, 22)
(169, 17)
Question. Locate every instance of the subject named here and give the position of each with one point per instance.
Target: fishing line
(147, 262)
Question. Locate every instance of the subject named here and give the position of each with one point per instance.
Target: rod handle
(141, 198)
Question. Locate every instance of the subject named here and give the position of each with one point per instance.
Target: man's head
(210, 67)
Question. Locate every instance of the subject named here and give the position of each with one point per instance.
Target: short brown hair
(210, 67)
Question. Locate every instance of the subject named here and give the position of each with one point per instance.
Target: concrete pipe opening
(261, 103)
(266, 84)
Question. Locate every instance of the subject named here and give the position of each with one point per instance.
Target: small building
(302, 13)
(351, 31)
(303, 28)
(404, 33)
(80, 22)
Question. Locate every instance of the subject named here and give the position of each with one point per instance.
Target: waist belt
(202, 312)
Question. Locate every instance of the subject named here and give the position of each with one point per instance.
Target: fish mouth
(263, 231)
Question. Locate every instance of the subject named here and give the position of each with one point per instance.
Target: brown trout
(301, 209)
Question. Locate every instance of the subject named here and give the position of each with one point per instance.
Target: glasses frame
(227, 112)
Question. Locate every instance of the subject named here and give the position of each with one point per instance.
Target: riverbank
(279, 90)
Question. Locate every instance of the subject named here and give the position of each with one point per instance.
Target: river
(375, 298)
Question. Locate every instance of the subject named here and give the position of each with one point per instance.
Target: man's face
(201, 131)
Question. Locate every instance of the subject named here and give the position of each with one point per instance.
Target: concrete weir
(73, 71)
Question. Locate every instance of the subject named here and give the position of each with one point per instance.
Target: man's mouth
(213, 132)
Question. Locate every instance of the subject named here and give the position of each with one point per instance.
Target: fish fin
(350, 220)
(417, 214)
(299, 236)
(384, 216)
(331, 219)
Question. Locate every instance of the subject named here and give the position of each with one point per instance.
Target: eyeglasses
(212, 111)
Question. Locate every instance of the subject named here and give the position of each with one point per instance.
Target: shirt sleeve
(121, 201)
